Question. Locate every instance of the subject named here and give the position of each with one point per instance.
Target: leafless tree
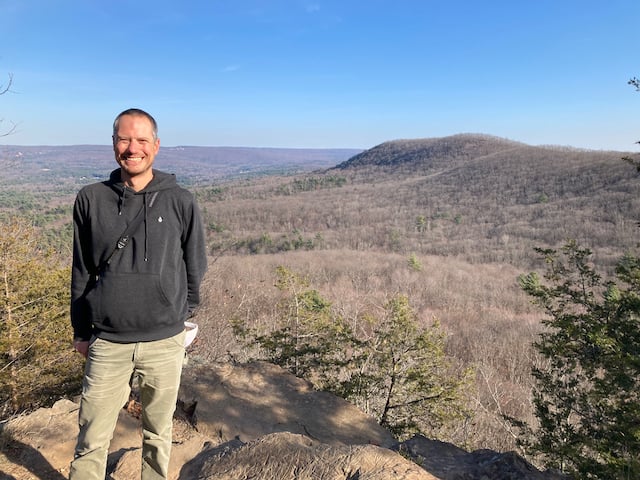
(4, 89)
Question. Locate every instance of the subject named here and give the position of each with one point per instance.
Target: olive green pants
(106, 387)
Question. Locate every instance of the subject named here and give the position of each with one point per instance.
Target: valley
(450, 223)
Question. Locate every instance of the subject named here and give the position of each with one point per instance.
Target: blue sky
(322, 73)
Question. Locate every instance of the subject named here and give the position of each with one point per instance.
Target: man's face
(134, 146)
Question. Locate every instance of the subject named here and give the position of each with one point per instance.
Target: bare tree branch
(10, 131)
(4, 89)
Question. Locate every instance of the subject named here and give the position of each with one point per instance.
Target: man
(138, 259)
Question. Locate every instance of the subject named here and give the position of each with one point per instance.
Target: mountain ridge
(440, 151)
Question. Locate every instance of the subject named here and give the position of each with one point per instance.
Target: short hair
(136, 112)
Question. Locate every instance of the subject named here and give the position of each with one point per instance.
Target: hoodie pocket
(122, 302)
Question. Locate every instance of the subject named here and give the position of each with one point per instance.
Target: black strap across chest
(123, 239)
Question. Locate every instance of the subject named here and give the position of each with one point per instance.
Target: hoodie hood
(160, 181)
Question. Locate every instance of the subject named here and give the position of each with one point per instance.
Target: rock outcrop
(253, 421)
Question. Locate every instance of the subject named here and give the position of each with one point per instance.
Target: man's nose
(133, 146)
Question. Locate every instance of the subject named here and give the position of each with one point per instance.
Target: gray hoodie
(150, 287)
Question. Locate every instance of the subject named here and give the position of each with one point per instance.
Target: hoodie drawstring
(146, 232)
(146, 205)
(121, 200)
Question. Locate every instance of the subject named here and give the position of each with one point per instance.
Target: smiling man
(138, 259)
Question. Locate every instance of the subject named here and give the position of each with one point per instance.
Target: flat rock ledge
(253, 421)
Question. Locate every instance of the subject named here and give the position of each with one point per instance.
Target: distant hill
(483, 198)
(35, 164)
(433, 154)
(428, 153)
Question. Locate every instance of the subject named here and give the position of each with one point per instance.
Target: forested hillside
(450, 223)
(478, 198)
